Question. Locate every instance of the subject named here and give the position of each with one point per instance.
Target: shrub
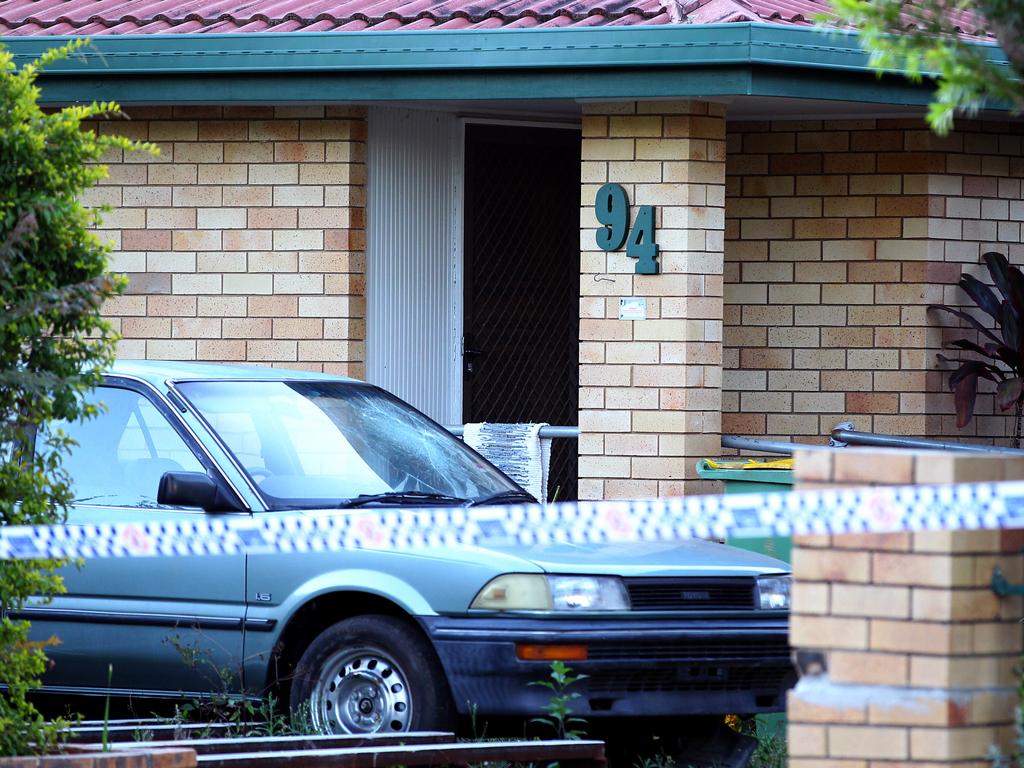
(53, 345)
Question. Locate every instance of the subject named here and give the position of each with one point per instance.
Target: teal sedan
(373, 640)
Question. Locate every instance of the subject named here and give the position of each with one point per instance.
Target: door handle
(469, 357)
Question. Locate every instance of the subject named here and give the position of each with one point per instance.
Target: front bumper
(654, 667)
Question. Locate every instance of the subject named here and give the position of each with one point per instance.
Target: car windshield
(310, 444)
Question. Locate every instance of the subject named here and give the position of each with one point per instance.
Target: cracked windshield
(316, 444)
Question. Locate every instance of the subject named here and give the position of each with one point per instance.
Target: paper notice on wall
(632, 308)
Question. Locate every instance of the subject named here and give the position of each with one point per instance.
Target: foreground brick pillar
(907, 656)
(650, 390)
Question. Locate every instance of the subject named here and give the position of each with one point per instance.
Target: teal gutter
(639, 46)
(466, 64)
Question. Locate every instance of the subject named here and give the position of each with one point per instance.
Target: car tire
(372, 674)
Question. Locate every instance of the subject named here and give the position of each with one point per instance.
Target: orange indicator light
(527, 652)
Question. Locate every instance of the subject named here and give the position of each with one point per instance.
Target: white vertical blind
(412, 279)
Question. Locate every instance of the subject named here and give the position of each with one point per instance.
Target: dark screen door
(521, 273)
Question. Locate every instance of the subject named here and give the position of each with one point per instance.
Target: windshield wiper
(400, 497)
(501, 496)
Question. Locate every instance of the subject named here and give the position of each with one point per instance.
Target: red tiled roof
(119, 17)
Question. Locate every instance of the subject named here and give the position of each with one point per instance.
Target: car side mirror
(194, 489)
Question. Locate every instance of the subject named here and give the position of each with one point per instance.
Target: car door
(154, 624)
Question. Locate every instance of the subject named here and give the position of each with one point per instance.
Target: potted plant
(998, 353)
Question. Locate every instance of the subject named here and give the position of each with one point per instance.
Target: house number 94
(612, 208)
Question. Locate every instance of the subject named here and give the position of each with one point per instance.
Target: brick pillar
(650, 390)
(907, 656)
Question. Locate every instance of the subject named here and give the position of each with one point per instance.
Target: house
(670, 219)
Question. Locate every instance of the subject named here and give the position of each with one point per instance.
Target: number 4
(641, 245)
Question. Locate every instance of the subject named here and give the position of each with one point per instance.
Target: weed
(1016, 759)
(559, 713)
(240, 713)
(771, 751)
(106, 709)
(657, 760)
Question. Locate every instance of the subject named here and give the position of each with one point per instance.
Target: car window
(238, 429)
(122, 453)
(319, 443)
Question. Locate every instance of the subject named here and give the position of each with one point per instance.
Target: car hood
(692, 557)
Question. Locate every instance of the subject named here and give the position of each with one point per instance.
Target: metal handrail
(844, 434)
(765, 446)
(572, 433)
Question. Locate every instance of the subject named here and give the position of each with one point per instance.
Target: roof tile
(118, 17)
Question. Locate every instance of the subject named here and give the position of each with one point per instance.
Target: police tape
(859, 510)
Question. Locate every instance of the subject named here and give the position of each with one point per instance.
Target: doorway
(521, 283)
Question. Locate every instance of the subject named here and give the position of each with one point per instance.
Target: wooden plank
(168, 757)
(240, 744)
(124, 721)
(575, 754)
(152, 729)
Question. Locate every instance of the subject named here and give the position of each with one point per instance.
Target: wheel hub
(361, 691)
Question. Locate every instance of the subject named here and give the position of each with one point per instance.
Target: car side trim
(143, 619)
(144, 693)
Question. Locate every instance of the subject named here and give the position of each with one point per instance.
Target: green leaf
(965, 395)
(970, 346)
(1008, 393)
(1011, 327)
(999, 269)
(972, 321)
(974, 368)
(982, 295)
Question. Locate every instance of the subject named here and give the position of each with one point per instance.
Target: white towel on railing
(517, 450)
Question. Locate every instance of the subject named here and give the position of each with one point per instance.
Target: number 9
(612, 210)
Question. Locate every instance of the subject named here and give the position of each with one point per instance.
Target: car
(374, 639)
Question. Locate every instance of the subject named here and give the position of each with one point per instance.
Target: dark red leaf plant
(999, 351)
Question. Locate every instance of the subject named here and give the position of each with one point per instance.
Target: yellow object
(750, 464)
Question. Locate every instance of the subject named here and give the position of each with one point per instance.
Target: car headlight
(538, 592)
(773, 592)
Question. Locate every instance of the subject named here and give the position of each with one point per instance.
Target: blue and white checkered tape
(860, 510)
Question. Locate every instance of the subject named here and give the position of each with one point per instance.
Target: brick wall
(244, 240)
(838, 236)
(908, 656)
(650, 390)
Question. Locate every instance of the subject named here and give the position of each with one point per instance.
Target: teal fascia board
(363, 87)
(612, 85)
(603, 62)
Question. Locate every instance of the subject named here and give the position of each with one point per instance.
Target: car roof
(157, 372)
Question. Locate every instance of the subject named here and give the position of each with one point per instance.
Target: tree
(53, 345)
(924, 37)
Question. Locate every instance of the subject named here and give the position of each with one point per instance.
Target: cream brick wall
(650, 390)
(838, 236)
(244, 240)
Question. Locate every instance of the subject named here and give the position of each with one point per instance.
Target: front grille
(688, 677)
(691, 594)
(693, 648)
